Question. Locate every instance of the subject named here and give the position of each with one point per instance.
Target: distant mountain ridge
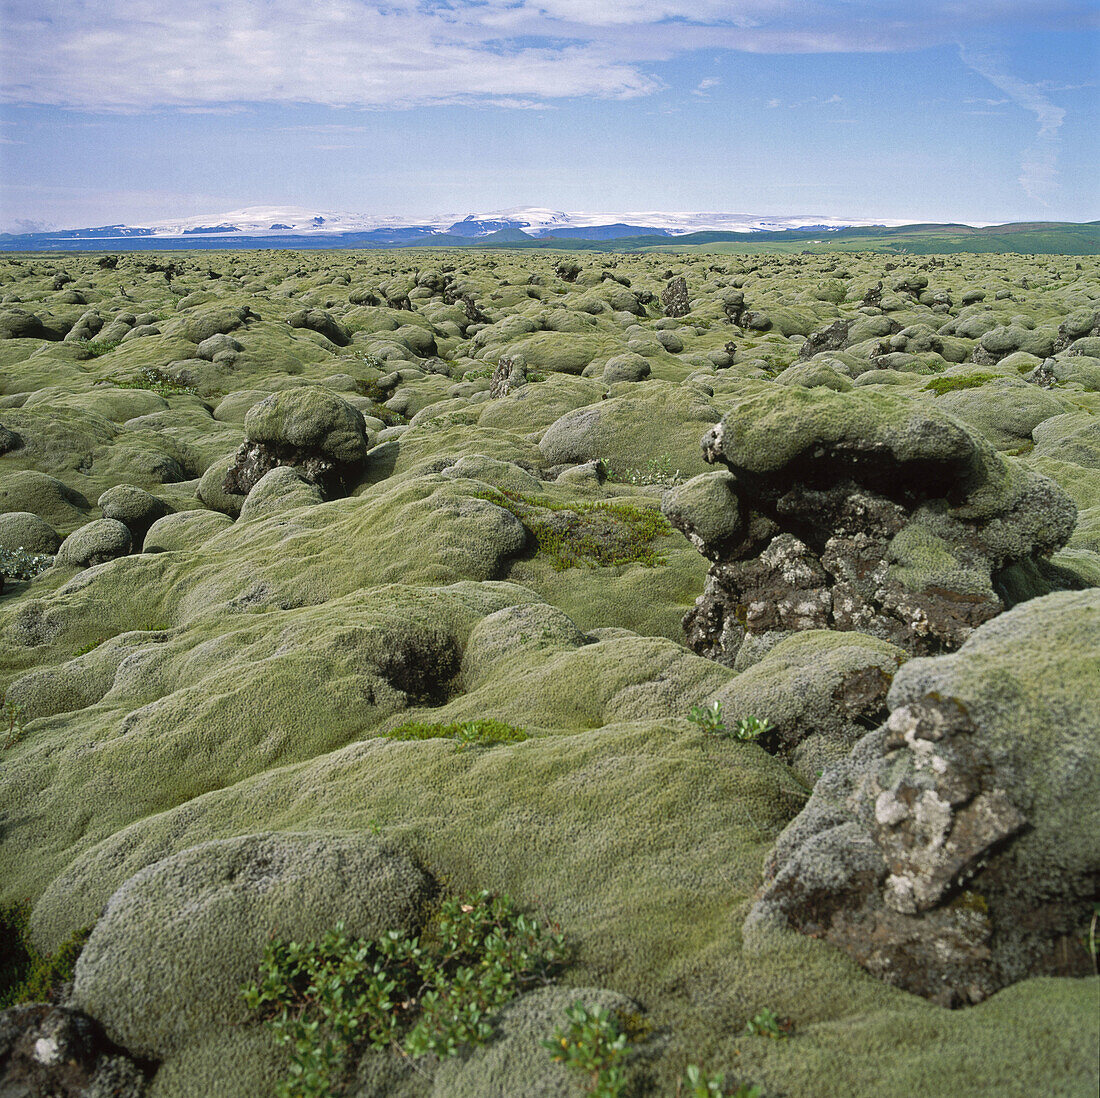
(267, 227)
(263, 221)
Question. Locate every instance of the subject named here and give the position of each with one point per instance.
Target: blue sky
(122, 112)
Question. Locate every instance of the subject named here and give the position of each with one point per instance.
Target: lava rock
(952, 852)
(857, 510)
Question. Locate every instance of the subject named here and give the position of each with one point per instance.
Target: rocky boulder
(319, 433)
(953, 851)
(857, 510)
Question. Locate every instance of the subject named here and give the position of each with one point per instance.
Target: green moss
(483, 733)
(941, 385)
(26, 975)
(595, 534)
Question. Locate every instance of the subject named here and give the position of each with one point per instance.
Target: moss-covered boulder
(135, 508)
(146, 973)
(311, 428)
(24, 530)
(184, 530)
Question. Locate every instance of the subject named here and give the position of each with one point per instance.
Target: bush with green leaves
(11, 721)
(709, 718)
(328, 1001)
(659, 471)
(768, 1024)
(593, 1045)
(18, 564)
(26, 975)
(96, 347)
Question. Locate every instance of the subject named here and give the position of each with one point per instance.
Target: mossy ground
(256, 675)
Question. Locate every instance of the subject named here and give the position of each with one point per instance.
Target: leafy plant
(479, 733)
(709, 718)
(97, 347)
(11, 721)
(696, 1083)
(768, 1024)
(18, 564)
(593, 1045)
(27, 976)
(658, 470)
(749, 728)
(329, 1000)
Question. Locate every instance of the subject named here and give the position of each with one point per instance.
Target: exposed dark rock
(674, 297)
(851, 510)
(832, 338)
(508, 375)
(51, 1052)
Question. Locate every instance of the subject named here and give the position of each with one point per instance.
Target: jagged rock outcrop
(952, 852)
(856, 510)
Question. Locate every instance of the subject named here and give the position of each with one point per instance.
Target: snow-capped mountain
(275, 221)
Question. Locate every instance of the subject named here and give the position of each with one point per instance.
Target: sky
(942, 110)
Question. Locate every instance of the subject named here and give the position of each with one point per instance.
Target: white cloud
(1039, 162)
(206, 55)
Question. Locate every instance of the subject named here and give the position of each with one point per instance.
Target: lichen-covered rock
(953, 852)
(146, 973)
(94, 543)
(213, 492)
(322, 322)
(862, 511)
(311, 428)
(40, 494)
(9, 440)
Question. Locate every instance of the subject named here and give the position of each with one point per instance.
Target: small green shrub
(709, 718)
(749, 728)
(97, 347)
(594, 1046)
(27, 976)
(328, 1001)
(480, 733)
(593, 534)
(768, 1024)
(11, 721)
(154, 380)
(941, 385)
(18, 564)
